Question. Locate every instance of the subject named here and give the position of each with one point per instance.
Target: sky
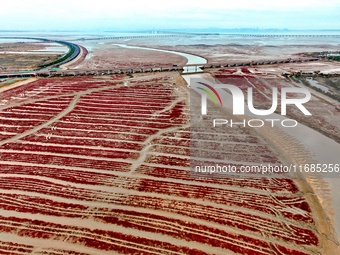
(176, 14)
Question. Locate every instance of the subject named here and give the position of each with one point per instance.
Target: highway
(74, 50)
(71, 55)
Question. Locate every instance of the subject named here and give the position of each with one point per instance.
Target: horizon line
(167, 30)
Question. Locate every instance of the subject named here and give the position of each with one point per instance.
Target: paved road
(71, 55)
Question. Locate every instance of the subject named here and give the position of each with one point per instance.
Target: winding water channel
(191, 59)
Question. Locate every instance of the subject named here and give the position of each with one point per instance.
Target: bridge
(280, 35)
(134, 37)
(257, 63)
(187, 69)
(200, 34)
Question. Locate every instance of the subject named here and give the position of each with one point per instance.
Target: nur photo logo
(205, 90)
(243, 103)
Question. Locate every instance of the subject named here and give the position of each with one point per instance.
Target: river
(191, 59)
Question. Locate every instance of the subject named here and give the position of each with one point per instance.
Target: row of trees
(311, 74)
(334, 84)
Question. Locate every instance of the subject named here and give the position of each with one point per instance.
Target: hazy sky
(170, 14)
